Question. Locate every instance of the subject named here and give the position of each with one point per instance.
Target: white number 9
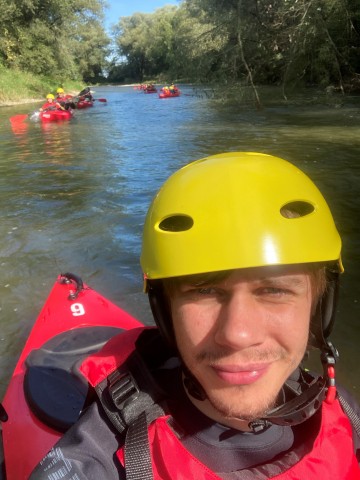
(77, 309)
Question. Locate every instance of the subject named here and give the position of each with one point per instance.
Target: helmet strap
(321, 327)
(323, 319)
(161, 311)
(301, 399)
(192, 386)
(328, 359)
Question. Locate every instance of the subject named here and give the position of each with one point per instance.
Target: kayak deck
(72, 311)
(55, 115)
(169, 95)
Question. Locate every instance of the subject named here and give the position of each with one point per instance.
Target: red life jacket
(332, 455)
(51, 105)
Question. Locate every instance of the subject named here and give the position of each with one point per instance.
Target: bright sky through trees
(125, 8)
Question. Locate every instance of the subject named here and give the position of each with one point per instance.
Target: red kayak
(55, 115)
(84, 104)
(168, 94)
(46, 392)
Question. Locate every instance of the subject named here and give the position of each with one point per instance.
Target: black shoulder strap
(132, 400)
(137, 451)
(129, 391)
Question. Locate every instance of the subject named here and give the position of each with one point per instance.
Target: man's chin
(241, 414)
(242, 407)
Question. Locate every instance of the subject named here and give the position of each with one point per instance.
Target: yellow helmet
(242, 210)
(237, 210)
(50, 95)
(60, 90)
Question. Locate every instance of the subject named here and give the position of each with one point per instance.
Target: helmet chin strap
(300, 399)
(329, 357)
(306, 402)
(321, 327)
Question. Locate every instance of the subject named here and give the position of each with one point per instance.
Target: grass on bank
(16, 86)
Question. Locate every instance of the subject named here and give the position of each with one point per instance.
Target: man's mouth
(241, 374)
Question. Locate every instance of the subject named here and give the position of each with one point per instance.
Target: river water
(73, 196)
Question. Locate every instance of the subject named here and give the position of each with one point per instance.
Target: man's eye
(206, 291)
(273, 291)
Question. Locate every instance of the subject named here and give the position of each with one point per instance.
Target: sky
(125, 8)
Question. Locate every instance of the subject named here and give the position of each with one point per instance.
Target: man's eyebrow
(275, 280)
(283, 280)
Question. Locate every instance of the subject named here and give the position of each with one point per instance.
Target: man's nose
(241, 323)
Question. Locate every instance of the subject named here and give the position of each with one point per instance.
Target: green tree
(289, 41)
(198, 45)
(49, 37)
(146, 41)
(130, 41)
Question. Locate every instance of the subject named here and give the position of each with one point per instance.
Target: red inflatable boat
(84, 104)
(55, 115)
(169, 94)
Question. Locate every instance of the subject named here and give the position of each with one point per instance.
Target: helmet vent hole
(176, 223)
(297, 209)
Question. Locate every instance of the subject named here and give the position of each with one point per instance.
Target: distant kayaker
(86, 95)
(241, 261)
(150, 87)
(51, 103)
(60, 93)
(64, 99)
(173, 88)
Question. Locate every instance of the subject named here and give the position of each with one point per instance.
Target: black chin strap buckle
(329, 357)
(258, 426)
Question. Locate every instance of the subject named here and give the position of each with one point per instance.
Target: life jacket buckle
(123, 389)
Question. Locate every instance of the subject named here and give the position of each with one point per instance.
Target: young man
(65, 100)
(241, 260)
(51, 104)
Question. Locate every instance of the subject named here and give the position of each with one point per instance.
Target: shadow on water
(74, 195)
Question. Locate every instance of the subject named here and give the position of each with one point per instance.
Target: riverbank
(18, 87)
(20, 102)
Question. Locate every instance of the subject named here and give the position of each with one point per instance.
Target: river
(73, 195)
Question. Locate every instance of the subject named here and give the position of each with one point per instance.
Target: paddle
(18, 124)
(89, 93)
(16, 119)
(92, 99)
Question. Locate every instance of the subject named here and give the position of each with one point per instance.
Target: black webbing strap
(350, 412)
(132, 399)
(137, 451)
(129, 391)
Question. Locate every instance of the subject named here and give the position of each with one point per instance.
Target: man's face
(242, 336)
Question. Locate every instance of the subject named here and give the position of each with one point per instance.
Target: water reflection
(73, 195)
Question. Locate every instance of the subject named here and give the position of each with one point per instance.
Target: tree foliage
(284, 42)
(146, 42)
(230, 42)
(58, 38)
